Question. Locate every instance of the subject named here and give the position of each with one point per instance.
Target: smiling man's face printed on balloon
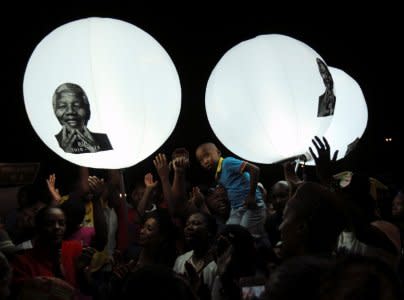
(72, 109)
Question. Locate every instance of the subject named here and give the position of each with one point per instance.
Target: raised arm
(97, 187)
(324, 164)
(254, 172)
(146, 200)
(160, 162)
(54, 192)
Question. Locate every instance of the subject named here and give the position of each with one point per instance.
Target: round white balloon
(265, 98)
(102, 93)
(350, 116)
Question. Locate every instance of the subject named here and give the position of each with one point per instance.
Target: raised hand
(149, 181)
(289, 172)
(51, 183)
(180, 164)
(161, 165)
(96, 185)
(196, 197)
(324, 163)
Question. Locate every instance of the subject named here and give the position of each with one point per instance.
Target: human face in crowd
(54, 226)
(398, 206)
(208, 156)
(196, 229)
(137, 194)
(280, 195)
(291, 230)
(70, 110)
(149, 235)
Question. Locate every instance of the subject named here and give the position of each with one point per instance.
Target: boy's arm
(254, 176)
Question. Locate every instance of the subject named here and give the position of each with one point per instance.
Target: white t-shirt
(209, 272)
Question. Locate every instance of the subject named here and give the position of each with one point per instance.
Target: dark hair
(319, 208)
(74, 212)
(75, 89)
(243, 257)
(155, 282)
(41, 215)
(166, 253)
(297, 278)
(359, 277)
(210, 222)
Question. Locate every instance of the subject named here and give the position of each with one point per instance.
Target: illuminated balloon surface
(268, 96)
(102, 93)
(350, 115)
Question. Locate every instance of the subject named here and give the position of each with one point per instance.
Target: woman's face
(149, 234)
(70, 111)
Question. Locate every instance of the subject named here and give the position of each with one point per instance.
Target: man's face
(70, 111)
(196, 229)
(54, 226)
(208, 157)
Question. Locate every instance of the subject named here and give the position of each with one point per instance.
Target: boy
(240, 179)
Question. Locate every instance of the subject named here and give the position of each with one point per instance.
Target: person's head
(158, 236)
(280, 192)
(242, 252)
(360, 206)
(358, 277)
(137, 193)
(152, 282)
(312, 221)
(303, 273)
(75, 212)
(397, 209)
(208, 156)
(218, 203)
(71, 106)
(325, 74)
(50, 224)
(200, 229)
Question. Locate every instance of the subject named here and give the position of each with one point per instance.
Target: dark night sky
(358, 43)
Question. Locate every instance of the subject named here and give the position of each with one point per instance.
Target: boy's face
(208, 156)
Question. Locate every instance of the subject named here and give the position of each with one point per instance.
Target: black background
(366, 45)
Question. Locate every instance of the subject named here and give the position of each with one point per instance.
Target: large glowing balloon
(101, 93)
(350, 115)
(268, 96)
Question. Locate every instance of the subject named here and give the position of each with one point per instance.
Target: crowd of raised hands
(165, 237)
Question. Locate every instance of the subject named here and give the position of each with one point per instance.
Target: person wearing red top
(51, 256)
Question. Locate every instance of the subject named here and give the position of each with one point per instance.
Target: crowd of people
(168, 238)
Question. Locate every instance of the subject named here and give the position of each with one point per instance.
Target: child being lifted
(240, 179)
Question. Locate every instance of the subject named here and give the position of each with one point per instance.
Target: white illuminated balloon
(262, 98)
(130, 83)
(350, 115)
